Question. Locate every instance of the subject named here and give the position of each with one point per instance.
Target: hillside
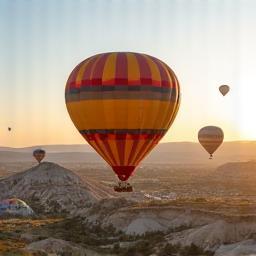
(175, 207)
(238, 169)
(51, 188)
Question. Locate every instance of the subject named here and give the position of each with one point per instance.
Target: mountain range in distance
(164, 153)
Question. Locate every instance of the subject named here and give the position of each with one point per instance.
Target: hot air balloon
(9, 129)
(224, 89)
(15, 207)
(122, 103)
(210, 137)
(39, 155)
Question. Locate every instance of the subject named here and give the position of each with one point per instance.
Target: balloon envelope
(15, 206)
(122, 103)
(224, 89)
(210, 137)
(39, 155)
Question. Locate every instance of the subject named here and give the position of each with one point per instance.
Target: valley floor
(24, 237)
(176, 210)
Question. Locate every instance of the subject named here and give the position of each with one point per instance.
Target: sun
(246, 111)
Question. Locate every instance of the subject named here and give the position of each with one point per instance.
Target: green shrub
(169, 250)
(193, 250)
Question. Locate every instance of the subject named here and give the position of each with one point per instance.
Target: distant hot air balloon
(39, 155)
(9, 129)
(210, 137)
(122, 103)
(224, 89)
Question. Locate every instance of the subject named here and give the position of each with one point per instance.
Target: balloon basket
(123, 187)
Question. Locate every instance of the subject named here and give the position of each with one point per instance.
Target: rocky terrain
(80, 216)
(50, 188)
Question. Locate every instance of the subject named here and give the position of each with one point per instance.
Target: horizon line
(84, 144)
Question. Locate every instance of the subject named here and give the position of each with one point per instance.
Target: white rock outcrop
(56, 247)
(213, 235)
(48, 188)
(244, 248)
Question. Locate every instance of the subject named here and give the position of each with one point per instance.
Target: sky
(206, 42)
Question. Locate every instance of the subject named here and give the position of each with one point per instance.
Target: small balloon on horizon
(39, 155)
(210, 137)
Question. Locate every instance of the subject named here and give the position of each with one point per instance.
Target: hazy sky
(206, 42)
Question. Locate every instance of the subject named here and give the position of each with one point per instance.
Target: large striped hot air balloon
(122, 103)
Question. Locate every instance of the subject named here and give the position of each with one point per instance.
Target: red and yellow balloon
(122, 103)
